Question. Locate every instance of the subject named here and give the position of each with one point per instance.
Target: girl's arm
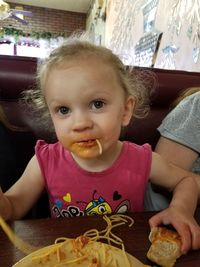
(179, 155)
(18, 200)
(180, 212)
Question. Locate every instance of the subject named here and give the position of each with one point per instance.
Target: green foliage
(15, 33)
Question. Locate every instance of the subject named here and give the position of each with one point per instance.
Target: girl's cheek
(65, 142)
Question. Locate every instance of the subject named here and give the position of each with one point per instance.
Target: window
(28, 47)
(6, 48)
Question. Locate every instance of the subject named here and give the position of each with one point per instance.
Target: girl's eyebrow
(101, 94)
(56, 101)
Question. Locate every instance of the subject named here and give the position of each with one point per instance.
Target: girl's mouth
(87, 143)
(90, 143)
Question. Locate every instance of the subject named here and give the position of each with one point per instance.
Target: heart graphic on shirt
(67, 198)
(116, 195)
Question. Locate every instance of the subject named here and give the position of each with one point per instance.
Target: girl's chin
(85, 154)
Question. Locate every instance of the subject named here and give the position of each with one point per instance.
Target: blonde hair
(131, 81)
(186, 92)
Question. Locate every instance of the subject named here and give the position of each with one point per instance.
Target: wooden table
(43, 232)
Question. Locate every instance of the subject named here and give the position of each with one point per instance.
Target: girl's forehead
(82, 73)
(89, 65)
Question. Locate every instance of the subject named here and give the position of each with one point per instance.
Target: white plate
(106, 254)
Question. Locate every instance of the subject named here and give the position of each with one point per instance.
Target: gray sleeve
(182, 124)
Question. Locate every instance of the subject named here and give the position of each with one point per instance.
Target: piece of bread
(165, 247)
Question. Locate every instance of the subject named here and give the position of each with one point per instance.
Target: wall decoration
(129, 28)
(121, 36)
(193, 18)
(181, 11)
(95, 23)
(147, 47)
(177, 11)
(169, 52)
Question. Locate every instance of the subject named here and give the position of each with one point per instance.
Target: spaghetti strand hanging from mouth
(100, 146)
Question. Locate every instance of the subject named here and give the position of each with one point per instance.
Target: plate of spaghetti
(79, 252)
(92, 249)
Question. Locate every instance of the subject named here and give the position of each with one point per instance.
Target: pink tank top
(76, 192)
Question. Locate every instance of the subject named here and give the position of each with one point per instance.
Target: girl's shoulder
(135, 151)
(45, 149)
(133, 146)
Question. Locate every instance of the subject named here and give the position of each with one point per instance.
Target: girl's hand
(183, 222)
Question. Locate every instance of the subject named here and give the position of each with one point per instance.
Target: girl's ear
(128, 110)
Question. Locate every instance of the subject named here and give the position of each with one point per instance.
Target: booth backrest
(18, 74)
(170, 83)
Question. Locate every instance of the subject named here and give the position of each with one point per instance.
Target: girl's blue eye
(97, 104)
(64, 110)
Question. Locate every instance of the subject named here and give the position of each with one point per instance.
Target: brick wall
(48, 20)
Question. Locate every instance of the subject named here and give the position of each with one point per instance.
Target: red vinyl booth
(18, 74)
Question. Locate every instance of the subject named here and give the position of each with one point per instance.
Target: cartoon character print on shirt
(101, 207)
(97, 206)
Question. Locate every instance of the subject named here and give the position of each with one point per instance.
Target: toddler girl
(90, 97)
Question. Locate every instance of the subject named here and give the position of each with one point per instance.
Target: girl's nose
(81, 122)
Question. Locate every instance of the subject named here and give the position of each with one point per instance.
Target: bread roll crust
(165, 248)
